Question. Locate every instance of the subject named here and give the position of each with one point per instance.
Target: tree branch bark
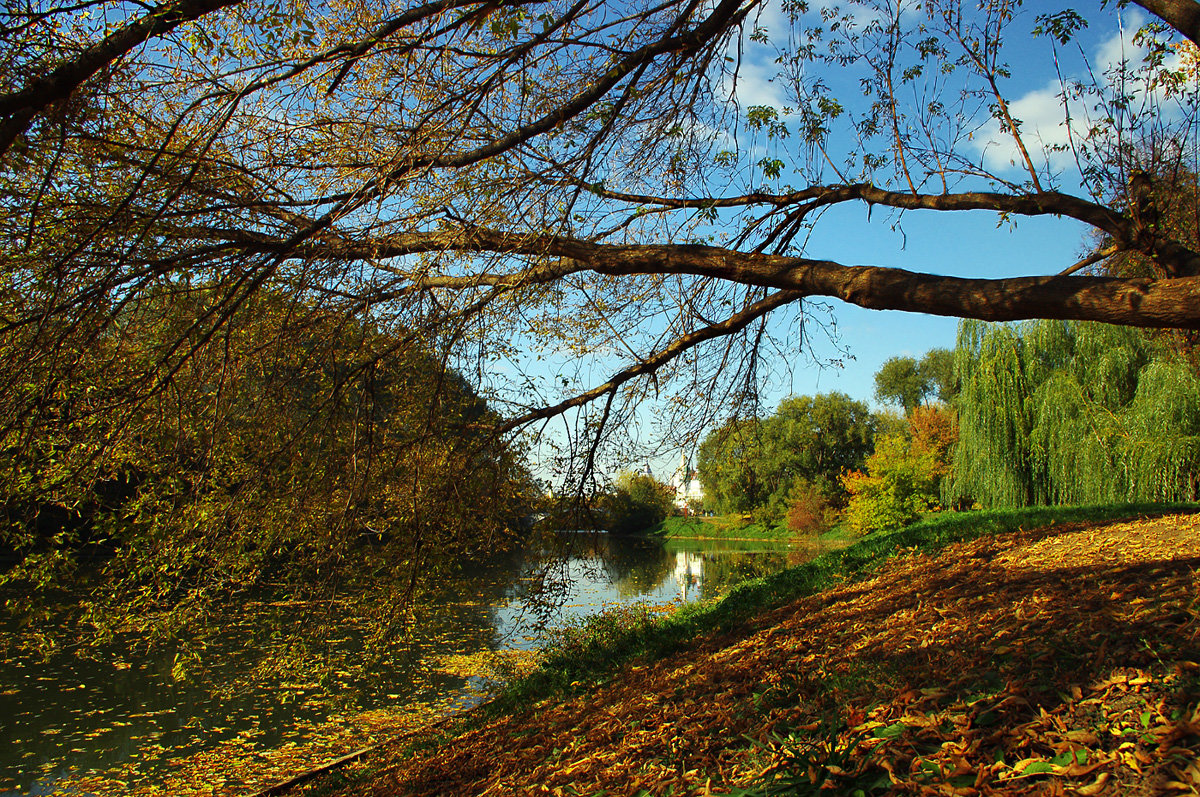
(1182, 15)
(1177, 258)
(18, 108)
(1168, 303)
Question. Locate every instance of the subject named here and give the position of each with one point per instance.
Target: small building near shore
(689, 493)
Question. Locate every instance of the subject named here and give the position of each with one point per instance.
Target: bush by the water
(810, 511)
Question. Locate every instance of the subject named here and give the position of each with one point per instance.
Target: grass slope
(732, 528)
(1038, 651)
(722, 527)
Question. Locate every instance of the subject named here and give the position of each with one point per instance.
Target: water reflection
(689, 573)
(71, 715)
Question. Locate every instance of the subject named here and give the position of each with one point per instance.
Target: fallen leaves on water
(489, 665)
(238, 766)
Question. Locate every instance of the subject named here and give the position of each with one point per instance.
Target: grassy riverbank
(728, 527)
(1025, 652)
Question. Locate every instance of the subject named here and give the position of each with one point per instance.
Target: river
(113, 721)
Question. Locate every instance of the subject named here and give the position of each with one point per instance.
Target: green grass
(722, 527)
(839, 533)
(595, 654)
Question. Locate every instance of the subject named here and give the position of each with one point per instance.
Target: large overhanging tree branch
(337, 228)
(575, 158)
(1144, 302)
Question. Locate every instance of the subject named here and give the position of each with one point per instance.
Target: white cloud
(756, 83)
(1043, 116)
(1120, 47)
(1042, 120)
(756, 80)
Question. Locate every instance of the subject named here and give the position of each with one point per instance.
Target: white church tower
(686, 483)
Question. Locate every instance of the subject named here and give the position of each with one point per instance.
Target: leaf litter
(1055, 661)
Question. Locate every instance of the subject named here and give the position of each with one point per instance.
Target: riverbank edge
(597, 660)
(601, 659)
(733, 527)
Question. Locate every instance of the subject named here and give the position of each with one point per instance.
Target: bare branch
(735, 323)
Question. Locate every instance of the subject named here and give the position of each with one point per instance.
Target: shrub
(903, 476)
(612, 629)
(901, 482)
(766, 516)
(809, 511)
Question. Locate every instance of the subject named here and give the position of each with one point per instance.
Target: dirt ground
(1063, 660)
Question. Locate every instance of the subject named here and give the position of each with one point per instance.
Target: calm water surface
(73, 715)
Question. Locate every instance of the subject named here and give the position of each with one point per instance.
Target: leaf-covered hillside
(1062, 660)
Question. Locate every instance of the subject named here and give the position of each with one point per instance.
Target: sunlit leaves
(1062, 25)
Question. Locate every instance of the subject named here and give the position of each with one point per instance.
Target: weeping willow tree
(1055, 412)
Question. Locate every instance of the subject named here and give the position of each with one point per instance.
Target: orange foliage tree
(902, 478)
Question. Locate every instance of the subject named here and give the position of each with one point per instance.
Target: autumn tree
(308, 458)
(902, 478)
(572, 205)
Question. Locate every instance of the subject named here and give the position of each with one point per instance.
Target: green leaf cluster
(900, 484)
(1055, 412)
(751, 464)
(908, 382)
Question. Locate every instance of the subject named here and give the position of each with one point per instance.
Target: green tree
(907, 382)
(754, 465)
(937, 369)
(1052, 413)
(899, 381)
(637, 503)
(815, 438)
(728, 462)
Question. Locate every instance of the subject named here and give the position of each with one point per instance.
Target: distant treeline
(1038, 413)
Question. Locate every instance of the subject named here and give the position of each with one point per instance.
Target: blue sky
(963, 244)
(966, 244)
(970, 246)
